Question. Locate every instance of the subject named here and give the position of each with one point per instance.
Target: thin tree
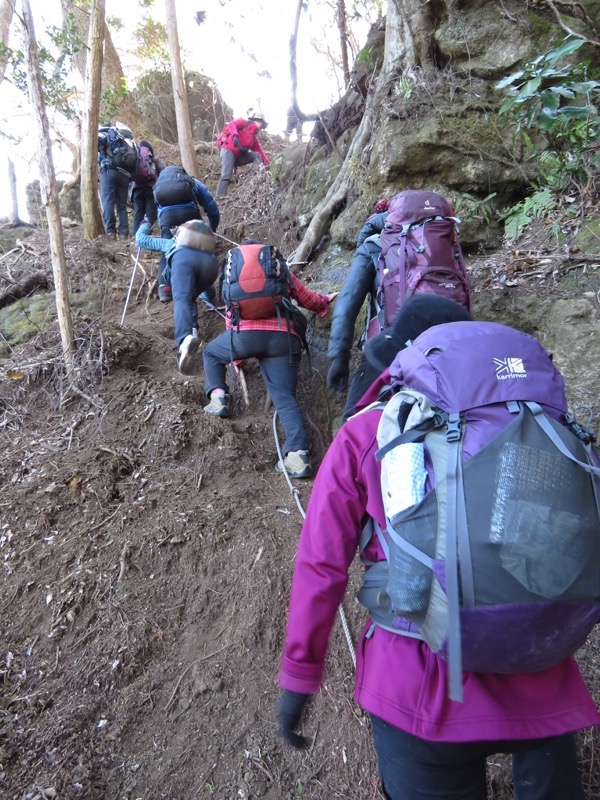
(48, 188)
(294, 66)
(6, 14)
(90, 205)
(13, 219)
(343, 32)
(182, 112)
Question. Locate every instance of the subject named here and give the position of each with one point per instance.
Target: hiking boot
(164, 293)
(218, 406)
(187, 354)
(124, 236)
(112, 236)
(296, 464)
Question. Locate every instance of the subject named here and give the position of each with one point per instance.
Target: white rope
(296, 495)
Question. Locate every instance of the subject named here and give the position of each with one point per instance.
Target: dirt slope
(147, 552)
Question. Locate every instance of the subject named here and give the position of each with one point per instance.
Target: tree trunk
(48, 189)
(6, 13)
(90, 205)
(182, 112)
(342, 28)
(408, 41)
(13, 218)
(294, 67)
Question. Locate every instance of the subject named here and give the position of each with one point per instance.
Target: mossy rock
(26, 318)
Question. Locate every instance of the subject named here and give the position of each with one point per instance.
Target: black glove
(337, 377)
(244, 149)
(236, 141)
(289, 713)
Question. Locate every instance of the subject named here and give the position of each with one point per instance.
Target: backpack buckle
(454, 428)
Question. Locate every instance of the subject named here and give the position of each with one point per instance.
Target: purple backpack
(491, 491)
(420, 253)
(146, 168)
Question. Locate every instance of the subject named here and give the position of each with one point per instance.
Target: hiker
(262, 325)
(179, 197)
(360, 284)
(409, 245)
(238, 145)
(293, 123)
(191, 268)
(427, 745)
(117, 160)
(142, 185)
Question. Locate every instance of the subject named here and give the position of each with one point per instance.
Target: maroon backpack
(420, 253)
(146, 168)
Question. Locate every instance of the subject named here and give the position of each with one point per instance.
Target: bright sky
(243, 45)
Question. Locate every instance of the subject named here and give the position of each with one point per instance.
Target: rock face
(438, 127)
(208, 111)
(70, 203)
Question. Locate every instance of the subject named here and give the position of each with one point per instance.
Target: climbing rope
(296, 495)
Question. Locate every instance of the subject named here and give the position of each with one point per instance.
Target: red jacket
(399, 679)
(246, 132)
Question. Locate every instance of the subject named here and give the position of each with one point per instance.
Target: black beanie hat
(144, 143)
(419, 312)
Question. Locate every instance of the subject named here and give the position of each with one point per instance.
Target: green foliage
(473, 208)
(555, 99)
(532, 208)
(152, 43)
(111, 100)
(55, 64)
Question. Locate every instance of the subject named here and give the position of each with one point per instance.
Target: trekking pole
(212, 307)
(226, 239)
(135, 263)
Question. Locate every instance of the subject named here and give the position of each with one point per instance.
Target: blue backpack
(491, 492)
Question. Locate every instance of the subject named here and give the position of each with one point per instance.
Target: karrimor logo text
(509, 368)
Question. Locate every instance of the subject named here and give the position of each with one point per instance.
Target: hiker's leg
(122, 188)
(171, 217)
(183, 285)
(215, 357)
(414, 769)
(139, 207)
(227, 167)
(281, 379)
(150, 210)
(548, 771)
(108, 198)
(363, 378)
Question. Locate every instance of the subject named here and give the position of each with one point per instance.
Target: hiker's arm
(258, 149)
(373, 225)
(312, 301)
(147, 242)
(234, 126)
(328, 544)
(208, 203)
(359, 282)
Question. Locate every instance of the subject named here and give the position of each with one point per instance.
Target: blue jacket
(204, 199)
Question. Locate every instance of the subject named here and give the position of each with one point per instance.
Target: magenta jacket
(399, 679)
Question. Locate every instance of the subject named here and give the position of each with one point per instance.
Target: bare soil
(146, 554)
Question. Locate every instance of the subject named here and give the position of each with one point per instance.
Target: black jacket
(360, 282)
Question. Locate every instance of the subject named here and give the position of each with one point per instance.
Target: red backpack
(256, 283)
(420, 253)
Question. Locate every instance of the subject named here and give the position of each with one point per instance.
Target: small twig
(123, 561)
(105, 520)
(188, 668)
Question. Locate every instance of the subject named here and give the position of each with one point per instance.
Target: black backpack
(122, 148)
(174, 187)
